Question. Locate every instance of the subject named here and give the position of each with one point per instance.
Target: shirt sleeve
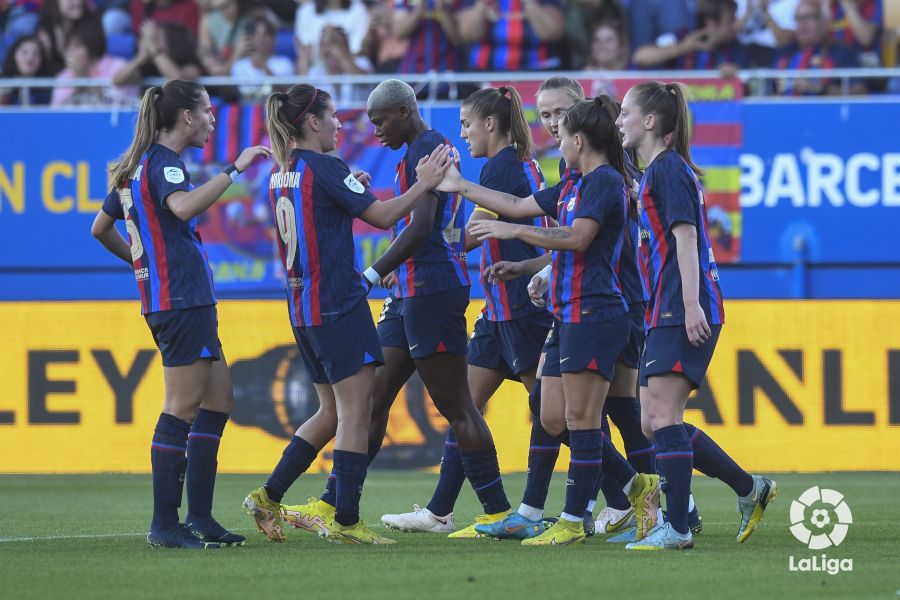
(548, 198)
(678, 194)
(343, 188)
(600, 199)
(167, 176)
(112, 206)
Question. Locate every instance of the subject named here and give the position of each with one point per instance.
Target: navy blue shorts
(185, 335)
(668, 350)
(511, 347)
(426, 325)
(551, 349)
(593, 345)
(334, 351)
(631, 354)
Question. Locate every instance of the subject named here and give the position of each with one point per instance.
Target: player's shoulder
(426, 142)
(165, 164)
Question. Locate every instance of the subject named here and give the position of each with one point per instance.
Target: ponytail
(681, 136)
(145, 132)
(668, 103)
(279, 128)
(519, 131)
(160, 110)
(505, 105)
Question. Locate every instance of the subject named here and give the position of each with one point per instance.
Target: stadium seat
(284, 44)
(122, 45)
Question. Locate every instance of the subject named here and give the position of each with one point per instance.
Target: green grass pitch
(82, 537)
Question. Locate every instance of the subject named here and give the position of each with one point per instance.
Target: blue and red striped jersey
(670, 194)
(170, 264)
(872, 12)
(549, 195)
(429, 47)
(508, 300)
(629, 275)
(827, 56)
(439, 263)
(314, 202)
(510, 43)
(584, 286)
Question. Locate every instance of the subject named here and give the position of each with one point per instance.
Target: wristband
(372, 276)
(232, 171)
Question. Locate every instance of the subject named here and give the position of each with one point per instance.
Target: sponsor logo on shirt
(173, 174)
(353, 185)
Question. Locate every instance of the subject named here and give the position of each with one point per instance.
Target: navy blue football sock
(616, 470)
(350, 474)
(711, 460)
(295, 460)
(329, 496)
(565, 438)
(626, 414)
(543, 451)
(202, 449)
(483, 472)
(675, 460)
(451, 479)
(168, 462)
(584, 469)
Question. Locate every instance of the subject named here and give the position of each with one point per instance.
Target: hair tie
(308, 106)
(503, 90)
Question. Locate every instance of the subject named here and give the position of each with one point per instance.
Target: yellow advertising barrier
(794, 386)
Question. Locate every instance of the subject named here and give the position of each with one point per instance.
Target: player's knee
(553, 424)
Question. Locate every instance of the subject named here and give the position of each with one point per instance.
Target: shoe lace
(183, 532)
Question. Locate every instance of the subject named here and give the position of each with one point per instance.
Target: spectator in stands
(313, 16)
(430, 27)
(658, 21)
(859, 23)
(185, 12)
(260, 60)
(713, 45)
(58, 18)
(814, 49)
(382, 45)
(765, 26)
(337, 59)
(582, 19)
(222, 35)
(495, 43)
(609, 49)
(25, 58)
(85, 56)
(167, 50)
(19, 17)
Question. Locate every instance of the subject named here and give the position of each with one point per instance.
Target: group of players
(597, 288)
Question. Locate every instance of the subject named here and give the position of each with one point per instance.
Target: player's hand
(431, 168)
(487, 229)
(249, 155)
(698, 330)
(503, 270)
(537, 288)
(387, 282)
(363, 177)
(452, 181)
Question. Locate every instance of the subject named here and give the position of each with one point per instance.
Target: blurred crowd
(129, 40)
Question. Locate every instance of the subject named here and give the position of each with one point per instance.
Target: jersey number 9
(286, 221)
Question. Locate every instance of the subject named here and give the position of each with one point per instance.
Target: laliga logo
(820, 518)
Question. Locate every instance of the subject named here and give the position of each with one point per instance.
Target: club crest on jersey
(571, 204)
(173, 174)
(353, 184)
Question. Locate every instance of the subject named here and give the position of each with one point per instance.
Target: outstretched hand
(503, 270)
(486, 229)
(250, 154)
(431, 168)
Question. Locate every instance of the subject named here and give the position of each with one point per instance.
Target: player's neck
(172, 140)
(650, 148)
(590, 160)
(496, 145)
(417, 128)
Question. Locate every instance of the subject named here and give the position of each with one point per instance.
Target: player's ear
(186, 116)
(404, 112)
(489, 123)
